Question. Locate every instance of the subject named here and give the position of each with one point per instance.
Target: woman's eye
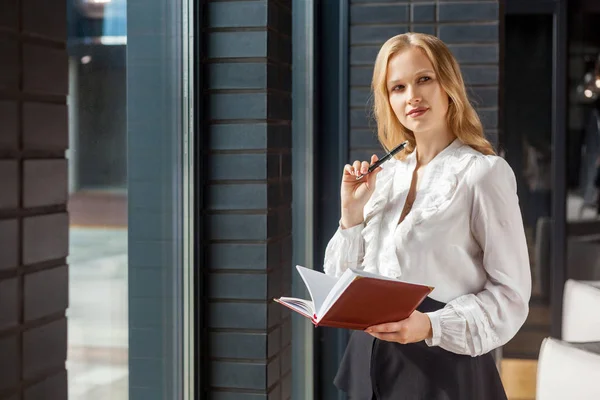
(424, 79)
(397, 87)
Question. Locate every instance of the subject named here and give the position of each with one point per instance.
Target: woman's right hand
(355, 193)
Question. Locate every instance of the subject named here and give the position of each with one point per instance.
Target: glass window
(528, 144)
(126, 325)
(98, 320)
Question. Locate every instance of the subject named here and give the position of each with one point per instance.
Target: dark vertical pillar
(331, 138)
(155, 184)
(559, 167)
(34, 226)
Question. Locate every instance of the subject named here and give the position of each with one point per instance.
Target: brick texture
(248, 195)
(33, 217)
(470, 29)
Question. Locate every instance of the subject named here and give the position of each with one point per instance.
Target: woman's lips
(417, 113)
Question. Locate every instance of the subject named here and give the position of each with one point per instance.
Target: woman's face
(415, 94)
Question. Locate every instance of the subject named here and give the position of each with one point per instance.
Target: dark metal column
(303, 189)
(559, 167)
(332, 153)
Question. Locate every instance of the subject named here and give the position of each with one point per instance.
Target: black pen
(384, 159)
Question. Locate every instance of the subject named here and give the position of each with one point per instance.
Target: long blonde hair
(461, 117)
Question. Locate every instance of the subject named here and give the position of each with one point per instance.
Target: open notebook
(355, 300)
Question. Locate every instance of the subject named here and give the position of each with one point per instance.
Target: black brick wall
(248, 195)
(33, 216)
(469, 28)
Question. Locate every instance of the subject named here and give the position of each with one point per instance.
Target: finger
(385, 328)
(371, 178)
(374, 159)
(348, 170)
(356, 166)
(364, 167)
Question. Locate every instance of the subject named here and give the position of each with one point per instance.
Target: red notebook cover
(367, 302)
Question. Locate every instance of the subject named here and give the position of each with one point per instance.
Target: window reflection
(529, 150)
(583, 197)
(98, 283)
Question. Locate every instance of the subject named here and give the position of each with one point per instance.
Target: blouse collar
(448, 150)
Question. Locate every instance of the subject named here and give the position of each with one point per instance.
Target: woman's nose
(413, 95)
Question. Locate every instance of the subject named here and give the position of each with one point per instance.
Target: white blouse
(464, 236)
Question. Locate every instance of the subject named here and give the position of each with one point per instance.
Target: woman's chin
(419, 126)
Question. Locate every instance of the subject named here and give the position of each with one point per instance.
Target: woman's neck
(429, 146)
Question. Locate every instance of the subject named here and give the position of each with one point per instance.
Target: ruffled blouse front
(464, 236)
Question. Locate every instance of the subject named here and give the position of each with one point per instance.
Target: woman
(443, 213)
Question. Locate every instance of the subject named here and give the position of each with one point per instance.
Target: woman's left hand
(413, 329)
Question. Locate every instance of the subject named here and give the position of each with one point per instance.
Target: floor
(519, 378)
(98, 208)
(98, 314)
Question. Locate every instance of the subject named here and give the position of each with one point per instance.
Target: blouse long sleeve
(475, 324)
(345, 249)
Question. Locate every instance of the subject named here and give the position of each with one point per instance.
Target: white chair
(568, 371)
(570, 368)
(581, 311)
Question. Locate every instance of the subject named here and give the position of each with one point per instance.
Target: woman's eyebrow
(419, 72)
(424, 71)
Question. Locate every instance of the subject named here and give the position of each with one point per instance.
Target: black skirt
(376, 369)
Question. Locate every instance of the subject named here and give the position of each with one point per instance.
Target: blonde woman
(443, 213)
